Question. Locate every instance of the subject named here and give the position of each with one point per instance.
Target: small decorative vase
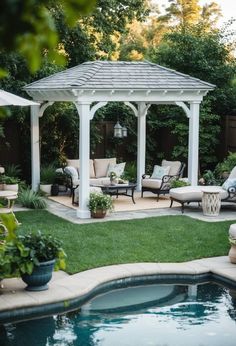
(41, 275)
(232, 254)
(99, 214)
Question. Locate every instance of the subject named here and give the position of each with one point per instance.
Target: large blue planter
(41, 275)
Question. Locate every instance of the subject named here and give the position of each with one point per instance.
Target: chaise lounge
(187, 194)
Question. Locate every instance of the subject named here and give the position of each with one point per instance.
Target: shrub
(12, 170)
(31, 199)
(130, 172)
(48, 174)
(178, 183)
(10, 180)
(227, 165)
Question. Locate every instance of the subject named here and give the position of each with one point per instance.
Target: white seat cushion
(193, 193)
(151, 183)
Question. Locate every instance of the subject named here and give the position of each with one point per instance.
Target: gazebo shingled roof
(119, 75)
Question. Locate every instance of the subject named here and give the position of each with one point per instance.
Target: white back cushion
(174, 166)
(101, 166)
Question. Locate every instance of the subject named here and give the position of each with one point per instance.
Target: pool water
(160, 315)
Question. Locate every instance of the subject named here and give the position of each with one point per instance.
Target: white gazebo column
(141, 150)
(35, 153)
(84, 155)
(193, 144)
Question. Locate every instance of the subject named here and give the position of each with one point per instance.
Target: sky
(228, 7)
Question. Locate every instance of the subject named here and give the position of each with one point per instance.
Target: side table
(211, 201)
(10, 196)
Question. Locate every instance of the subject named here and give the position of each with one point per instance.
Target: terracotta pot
(99, 214)
(232, 254)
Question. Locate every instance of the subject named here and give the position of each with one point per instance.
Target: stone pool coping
(68, 291)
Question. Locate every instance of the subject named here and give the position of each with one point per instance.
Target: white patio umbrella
(8, 99)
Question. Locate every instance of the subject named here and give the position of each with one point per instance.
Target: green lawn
(157, 239)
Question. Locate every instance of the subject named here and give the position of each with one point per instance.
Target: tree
(189, 12)
(97, 36)
(27, 27)
(207, 56)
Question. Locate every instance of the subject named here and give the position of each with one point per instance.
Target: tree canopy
(28, 27)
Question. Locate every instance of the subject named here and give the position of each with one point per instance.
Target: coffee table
(119, 190)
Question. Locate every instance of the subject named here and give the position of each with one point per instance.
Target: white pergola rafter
(92, 85)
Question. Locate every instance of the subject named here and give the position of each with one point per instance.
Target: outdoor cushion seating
(160, 180)
(188, 194)
(99, 172)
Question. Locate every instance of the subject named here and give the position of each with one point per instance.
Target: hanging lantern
(124, 131)
(118, 130)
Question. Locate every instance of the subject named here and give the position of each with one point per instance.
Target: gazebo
(92, 85)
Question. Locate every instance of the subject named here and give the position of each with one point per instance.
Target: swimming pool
(155, 314)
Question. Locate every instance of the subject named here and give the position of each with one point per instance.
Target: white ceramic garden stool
(232, 235)
(211, 201)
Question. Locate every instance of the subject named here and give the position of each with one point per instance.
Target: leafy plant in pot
(32, 256)
(42, 254)
(99, 204)
(47, 178)
(11, 183)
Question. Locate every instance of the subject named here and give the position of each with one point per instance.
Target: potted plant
(232, 251)
(99, 204)
(47, 178)
(11, 183)
(32, 256)
(42, 253)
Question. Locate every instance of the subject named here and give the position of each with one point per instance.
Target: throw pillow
(72, 171)
(159, 172)
(117, 168)
(229, 183)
